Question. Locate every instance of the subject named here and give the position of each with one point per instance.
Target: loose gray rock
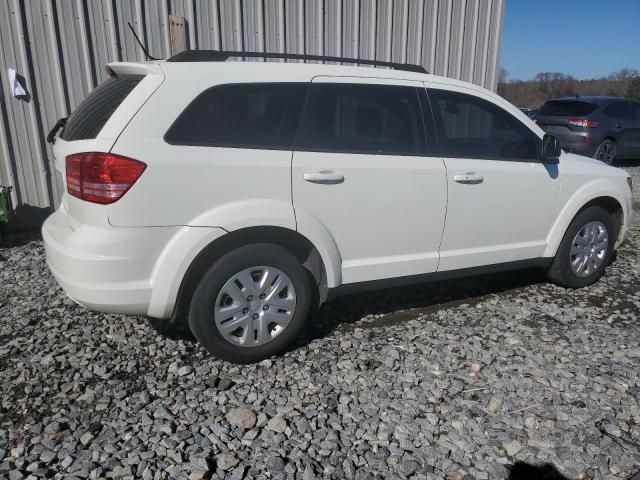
(277, 424)
(455, 380)
(241, 417)
(226, 461)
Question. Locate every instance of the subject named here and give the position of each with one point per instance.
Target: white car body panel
(393, 216)
(172, 264)
(524, 193)
(584, 179)
(398, 202)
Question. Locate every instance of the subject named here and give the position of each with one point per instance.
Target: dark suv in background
(605, 128)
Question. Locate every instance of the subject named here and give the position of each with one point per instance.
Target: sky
(583, 38)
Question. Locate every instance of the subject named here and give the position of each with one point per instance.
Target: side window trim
(635, 109)
(428, 143)
(439, 128)
(429, 122)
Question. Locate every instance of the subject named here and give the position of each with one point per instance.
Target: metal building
(58, 49)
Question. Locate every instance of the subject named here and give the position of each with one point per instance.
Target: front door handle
(470, 178)
(324, 177)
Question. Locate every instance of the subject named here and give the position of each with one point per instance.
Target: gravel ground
(485, 378)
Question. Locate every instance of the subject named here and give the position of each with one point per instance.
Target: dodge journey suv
(239, 195)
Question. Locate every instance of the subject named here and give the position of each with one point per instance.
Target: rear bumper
(577, 145)
(108, 269)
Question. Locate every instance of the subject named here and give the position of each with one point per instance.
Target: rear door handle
(468, 178)
(324, 177)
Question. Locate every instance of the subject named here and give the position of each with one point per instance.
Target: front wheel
(585, 250)
(251, 303)
(606, 152)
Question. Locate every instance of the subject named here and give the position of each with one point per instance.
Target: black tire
(606, 151)
(560, 271)
(201, 312)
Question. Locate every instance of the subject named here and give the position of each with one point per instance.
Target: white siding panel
(60, 47)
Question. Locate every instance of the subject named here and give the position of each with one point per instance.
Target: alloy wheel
(606, 152)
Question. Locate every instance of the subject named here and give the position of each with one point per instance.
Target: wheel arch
(291, 240)
(608, 200)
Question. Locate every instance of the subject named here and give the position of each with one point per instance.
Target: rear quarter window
(619, 111)
(567, 108)
(95, 110)
(261, 115)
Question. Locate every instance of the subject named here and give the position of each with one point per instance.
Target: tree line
(548, 85)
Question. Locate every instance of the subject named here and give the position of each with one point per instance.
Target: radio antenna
(144, 49)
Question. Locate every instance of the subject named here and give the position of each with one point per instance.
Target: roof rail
(222, 55)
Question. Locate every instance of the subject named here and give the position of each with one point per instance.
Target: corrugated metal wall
(59, 47)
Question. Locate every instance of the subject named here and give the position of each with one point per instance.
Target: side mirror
(550, 148)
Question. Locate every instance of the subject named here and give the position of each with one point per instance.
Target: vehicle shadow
(401, 304)
(526, 471)
(627, 162)
(18, 238)
(393, 305)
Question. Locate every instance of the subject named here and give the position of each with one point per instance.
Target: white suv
(240, 195)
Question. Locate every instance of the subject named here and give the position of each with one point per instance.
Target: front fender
(603, 187)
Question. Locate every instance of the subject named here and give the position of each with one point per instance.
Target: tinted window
(94, 111)
(471, 127)
(636, 111)
(567, 108)
(377, 119)
(619, 111)
(262, 115)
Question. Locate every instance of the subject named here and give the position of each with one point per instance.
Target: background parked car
(605, 128)
(529, 112)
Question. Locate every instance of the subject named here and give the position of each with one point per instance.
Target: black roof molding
(222, 55)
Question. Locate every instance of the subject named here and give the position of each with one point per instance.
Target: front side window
(619, 111)
(357, 118)
(470, 127)
(636, 111)
(261, 115)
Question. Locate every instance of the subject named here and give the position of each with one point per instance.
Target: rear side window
(619, 111)
(95, 110)
(470, 127)
(355, 118)
(567, 108)
(636, 111)
(261, 115)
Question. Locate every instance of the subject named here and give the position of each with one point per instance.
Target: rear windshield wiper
(59, 124)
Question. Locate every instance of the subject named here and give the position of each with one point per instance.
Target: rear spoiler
(134, 68)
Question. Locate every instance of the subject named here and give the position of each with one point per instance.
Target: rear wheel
(585, 250)
(251, 303)
(606, 152)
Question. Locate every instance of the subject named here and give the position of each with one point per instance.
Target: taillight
(101, 177)
(583, 122)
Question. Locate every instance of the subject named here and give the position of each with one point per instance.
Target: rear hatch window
(567, 108)
(95, 110)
